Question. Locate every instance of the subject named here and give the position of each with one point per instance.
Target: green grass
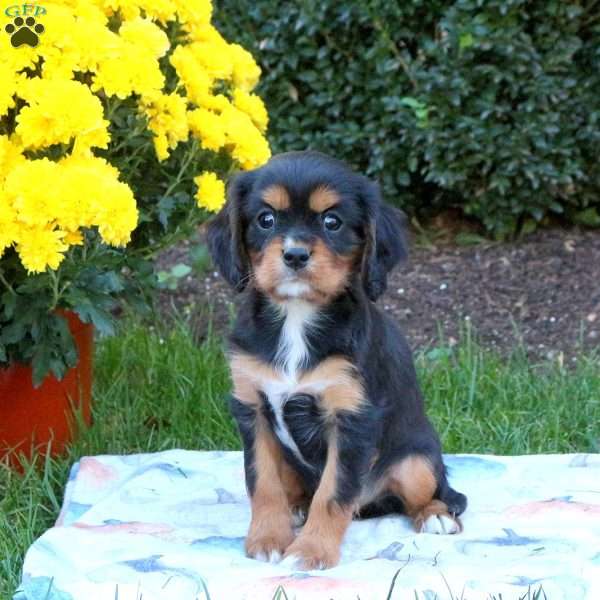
(155, 389)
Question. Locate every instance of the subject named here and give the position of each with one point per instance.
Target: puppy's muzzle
(296, 258)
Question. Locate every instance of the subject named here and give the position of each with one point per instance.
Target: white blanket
(171, 525)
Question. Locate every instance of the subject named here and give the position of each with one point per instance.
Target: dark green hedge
(492, 106)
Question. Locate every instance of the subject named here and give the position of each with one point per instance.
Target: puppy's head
(306, 226)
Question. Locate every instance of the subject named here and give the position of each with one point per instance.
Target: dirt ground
(542, 291)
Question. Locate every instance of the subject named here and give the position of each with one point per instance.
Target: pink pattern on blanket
(95, 474)
(266, 587)
(156, 529)
(555, 505)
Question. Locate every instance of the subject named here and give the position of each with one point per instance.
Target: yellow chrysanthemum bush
(116, 133)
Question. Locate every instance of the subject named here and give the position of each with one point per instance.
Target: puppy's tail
(455, 501)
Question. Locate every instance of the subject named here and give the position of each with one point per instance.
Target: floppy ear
(385, 241)
(225, 234)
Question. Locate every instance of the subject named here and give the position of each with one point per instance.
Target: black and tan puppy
(324, 388)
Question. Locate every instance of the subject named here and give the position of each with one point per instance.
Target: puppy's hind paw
(435, 518)
(440, 524)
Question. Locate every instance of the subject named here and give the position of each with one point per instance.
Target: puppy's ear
(385, 241)
(225, 233)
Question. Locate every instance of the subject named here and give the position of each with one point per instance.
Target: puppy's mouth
(293, 285)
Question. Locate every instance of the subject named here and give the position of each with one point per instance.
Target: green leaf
(40, 363)
(12, 333)
(465, 238)
(529, 226)
(8, 300)
(101, 319)
(588, 217)
(465, 41)
(438, 353)
(181, 270)
(65, 340)
(411, 102)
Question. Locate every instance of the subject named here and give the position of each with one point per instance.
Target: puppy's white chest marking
(292, 355)
(292, 352)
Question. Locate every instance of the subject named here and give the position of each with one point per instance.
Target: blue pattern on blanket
(166, 525)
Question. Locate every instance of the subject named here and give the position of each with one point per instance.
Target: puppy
(324, 388)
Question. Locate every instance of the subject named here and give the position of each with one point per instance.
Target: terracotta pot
(31, 417)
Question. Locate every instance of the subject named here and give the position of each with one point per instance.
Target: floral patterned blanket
(171, 525)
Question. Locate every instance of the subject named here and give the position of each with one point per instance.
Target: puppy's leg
(271, 484)
(318, 544)
(418, 484)
(297, 497)
(336, 499)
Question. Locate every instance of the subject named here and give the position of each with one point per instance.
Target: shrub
(493, 107)
(115, 132)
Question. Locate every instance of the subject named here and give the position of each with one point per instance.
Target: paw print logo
(24, 31)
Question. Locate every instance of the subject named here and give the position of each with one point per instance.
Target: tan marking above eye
(322, 199)
(277, 197)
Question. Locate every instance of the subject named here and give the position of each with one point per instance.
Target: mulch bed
(542, 292)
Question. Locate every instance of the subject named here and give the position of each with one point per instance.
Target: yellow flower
(249, 147)
(145, 34)
(58, 111)
(218, 103)
(130, 70)
(213, 58)
(245, 70)
(32, 188)
(40, 248)
(198, 84)
(10, 155)
(74, 238)
(160, 10)
(92, 54)
(167, 119)
(208, 128)
(194, 14)
(9, 227)
(211, 191)
(93, 195)
(8, 87)
(253, 106)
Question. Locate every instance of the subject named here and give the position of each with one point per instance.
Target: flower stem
(7, 285)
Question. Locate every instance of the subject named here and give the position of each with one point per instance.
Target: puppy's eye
(332, 222)
(266, 219)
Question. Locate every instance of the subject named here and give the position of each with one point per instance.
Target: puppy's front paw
(268, 543)
(310, 552)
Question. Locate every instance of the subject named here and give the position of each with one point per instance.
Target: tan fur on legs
(294, 489)
(270, 530)
(413, 480)
(318, 545)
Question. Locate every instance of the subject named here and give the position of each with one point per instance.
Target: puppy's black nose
(296, 258)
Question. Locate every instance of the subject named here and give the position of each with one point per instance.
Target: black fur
(393, 424)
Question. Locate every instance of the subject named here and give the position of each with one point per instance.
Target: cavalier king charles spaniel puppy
(325, 393)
